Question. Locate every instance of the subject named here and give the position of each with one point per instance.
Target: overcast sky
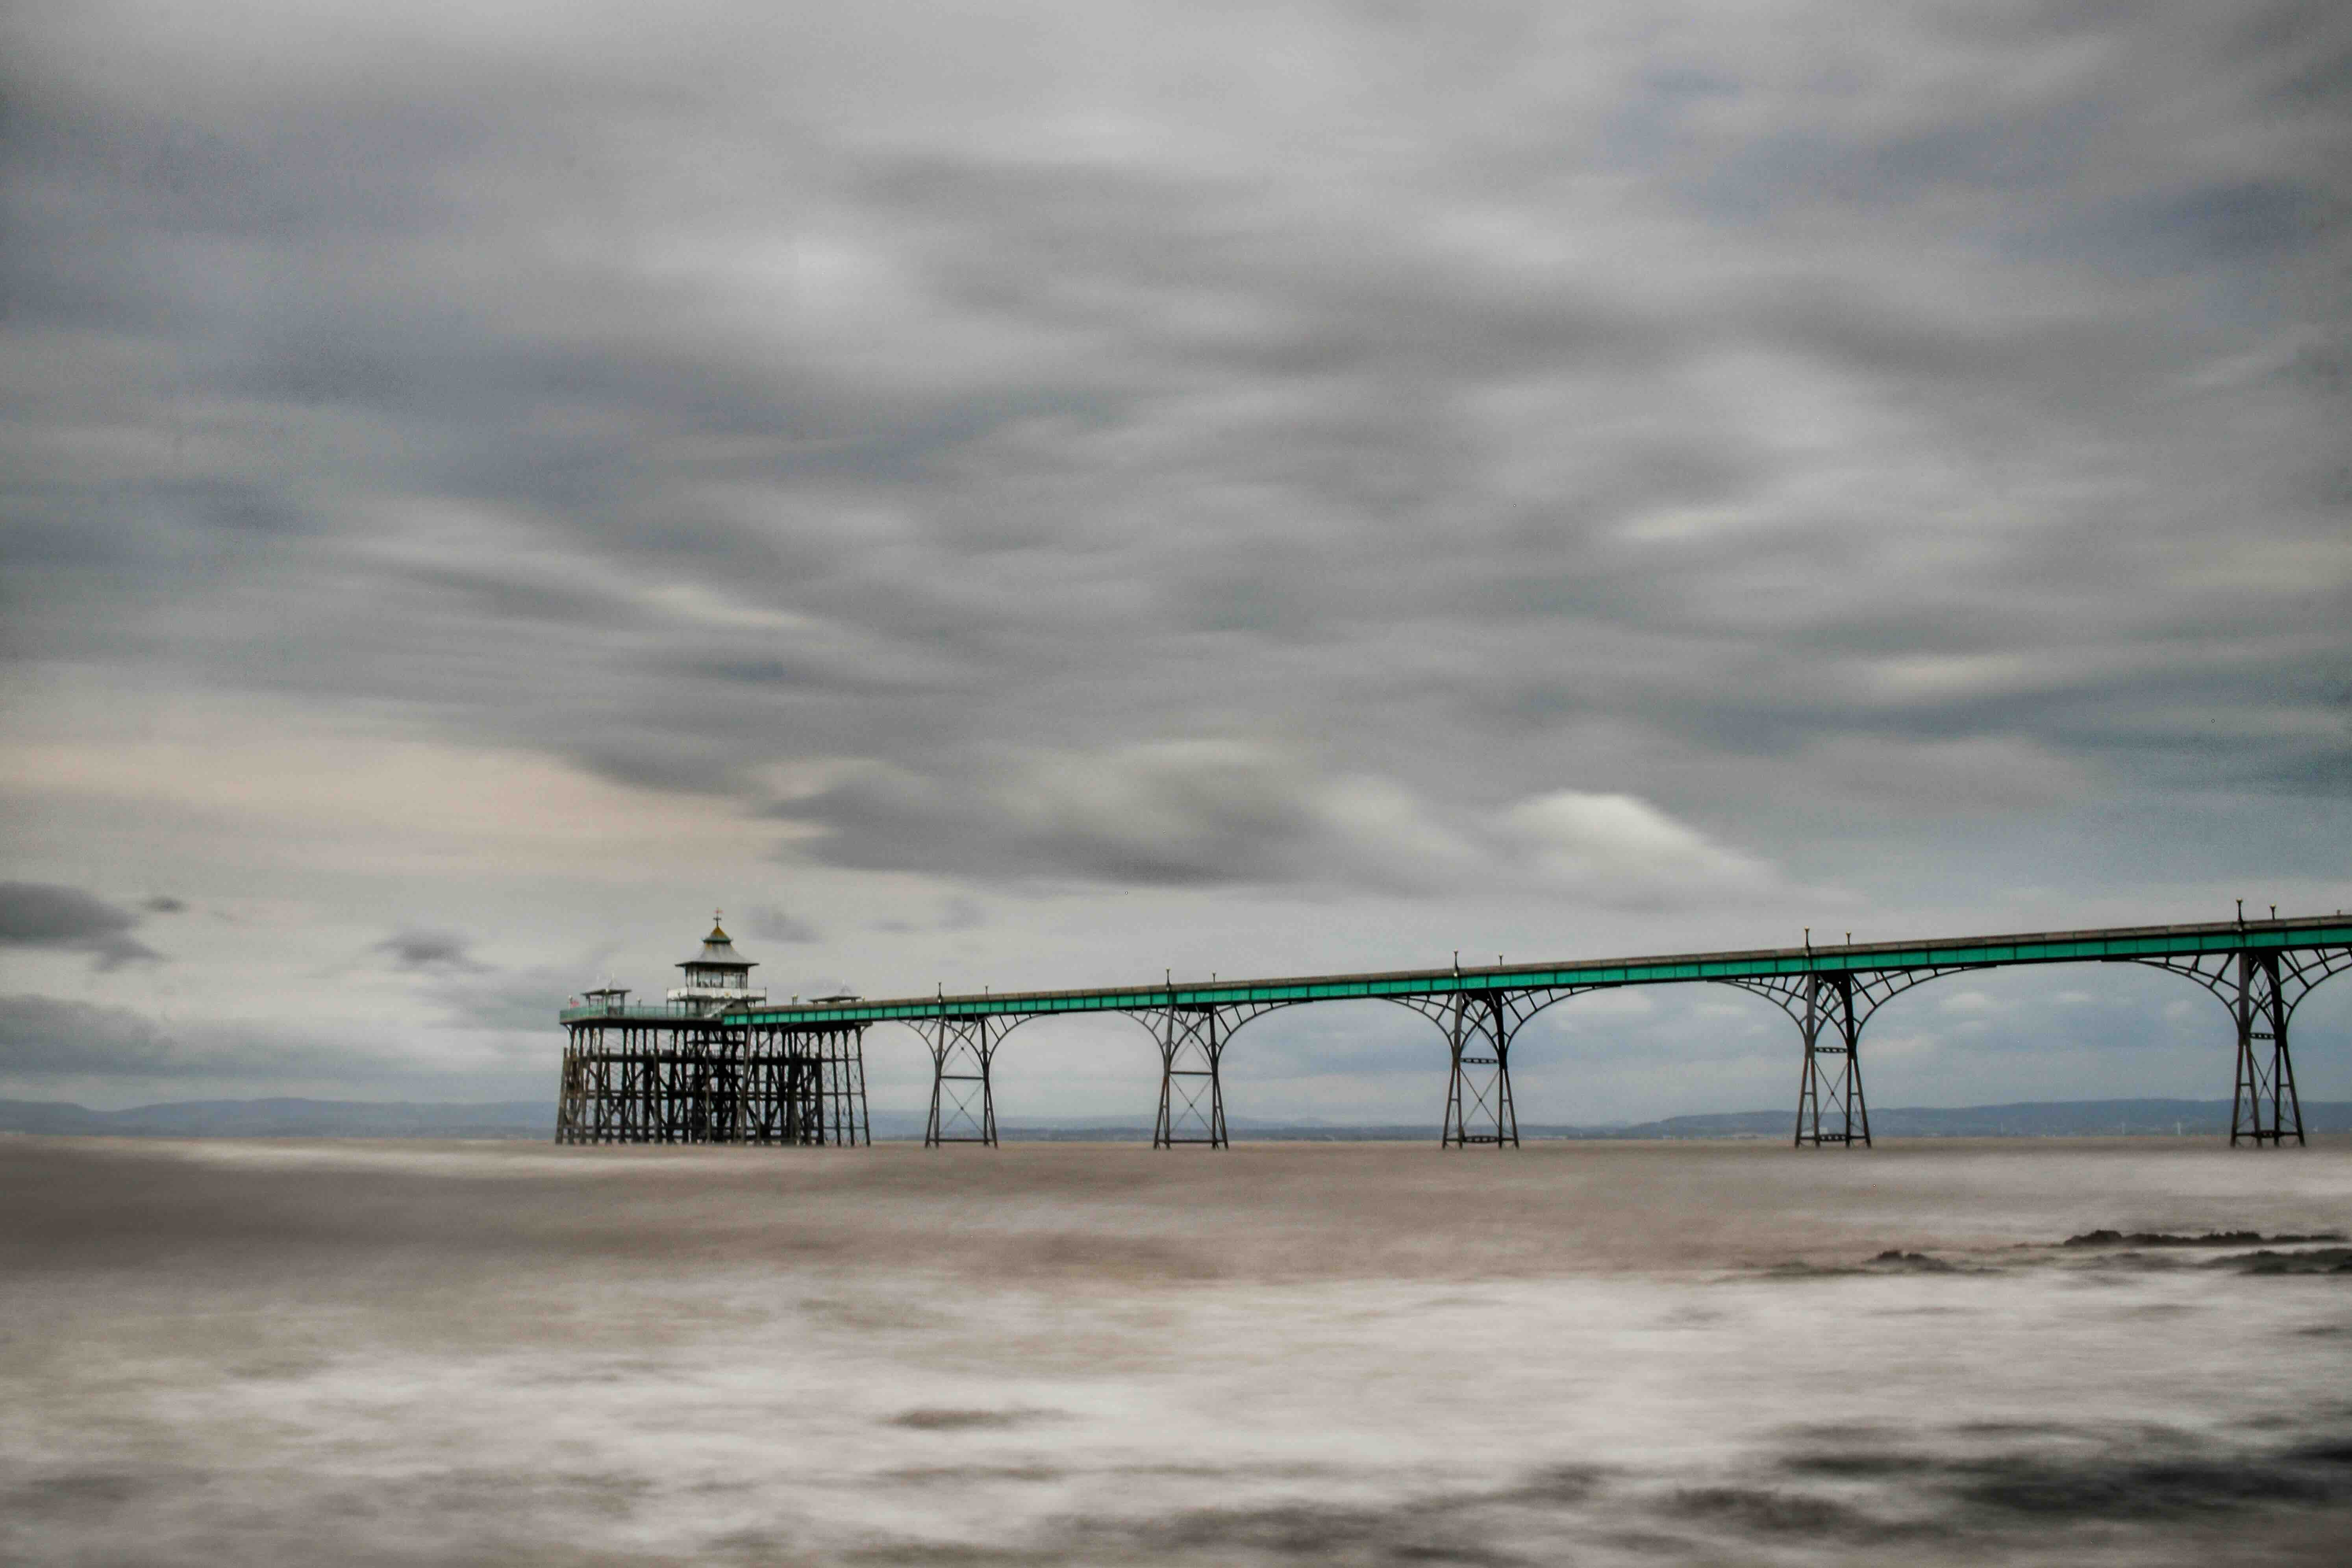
(1041, 494)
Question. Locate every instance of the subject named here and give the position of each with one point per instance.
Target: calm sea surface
(218, 1352)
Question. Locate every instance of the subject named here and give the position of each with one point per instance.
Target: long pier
(2260, 970)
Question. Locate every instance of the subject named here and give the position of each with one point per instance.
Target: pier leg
(2266, 1109)
(656, 1064)
(777, 1088)
(1478, 1106)
(2262, 988)
(573, 1104)
(705, 1081)
(963, 1100)
(842, 1116)
(1830, 1104)
(1192, 1092)
(804, 1086)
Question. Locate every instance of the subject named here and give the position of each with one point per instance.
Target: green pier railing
(2119, 943)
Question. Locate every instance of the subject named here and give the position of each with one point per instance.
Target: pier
(718, 1062)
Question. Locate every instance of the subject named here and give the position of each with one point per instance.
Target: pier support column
(1192, 1090)
(1829, 1006)
(964, 1096)
(805, 1086)
(1191, 1038)
(579, 1095)
(840, 1086)
(1478, 1107)
(2266, 1109)
(705, 1097)
(1830, 1104)
(2261, 987)
(1480, 1027)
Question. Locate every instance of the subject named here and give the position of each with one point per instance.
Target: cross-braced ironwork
(963, 1091)
(1191, 1041)
(1831, 1107)
(1479, 1028)
(803, 1085)
(678, 1079)
(2261, 991)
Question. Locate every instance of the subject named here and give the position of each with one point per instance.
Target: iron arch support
(1192, 1038)
(1480, 1027)
(2261, 990)
(964, 1088)
(1830, 1008)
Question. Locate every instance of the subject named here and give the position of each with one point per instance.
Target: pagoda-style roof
(718, 952)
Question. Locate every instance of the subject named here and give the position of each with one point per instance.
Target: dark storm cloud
(40, 914)
(1491, 411)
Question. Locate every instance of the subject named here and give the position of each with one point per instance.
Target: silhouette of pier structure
(720, 1063)
(689, 1070)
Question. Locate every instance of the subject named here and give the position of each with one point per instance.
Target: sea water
(1591, 1352)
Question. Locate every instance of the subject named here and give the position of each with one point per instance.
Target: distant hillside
(530, 1119)
(286, 1119)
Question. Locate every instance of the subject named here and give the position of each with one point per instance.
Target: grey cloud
(54, 1038)
(1236, 813)
(44, 915)
(1521, 413)
(430, 950)
(778, 924)
(163, 904)
(1169, 814)
(958, 912)
(44, 1036)
(517, 1002)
